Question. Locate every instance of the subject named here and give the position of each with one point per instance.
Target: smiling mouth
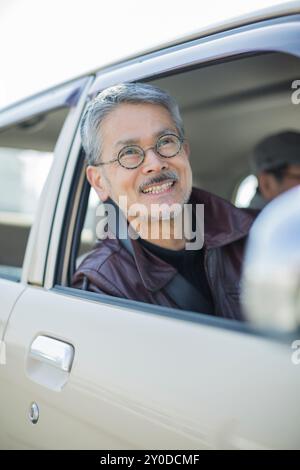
(159, 188)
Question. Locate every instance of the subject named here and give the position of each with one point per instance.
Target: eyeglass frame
(153, 147)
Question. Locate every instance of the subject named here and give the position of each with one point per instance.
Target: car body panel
(10, 291)
(57, 97)
(140, 380)
(261, 38)
(285, 10)
(142, 376)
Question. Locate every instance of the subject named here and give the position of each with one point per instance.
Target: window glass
(26, 156)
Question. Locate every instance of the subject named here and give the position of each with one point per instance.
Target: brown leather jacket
(110, 269)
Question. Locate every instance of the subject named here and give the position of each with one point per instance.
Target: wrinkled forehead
(136, 123)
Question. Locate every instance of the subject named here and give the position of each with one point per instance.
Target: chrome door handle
(52, 351)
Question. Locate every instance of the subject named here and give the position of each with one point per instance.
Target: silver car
(84, 370)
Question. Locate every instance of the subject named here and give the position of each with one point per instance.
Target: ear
(97, 180)
(268, 185)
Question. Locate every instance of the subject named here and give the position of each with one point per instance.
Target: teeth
(158, 189)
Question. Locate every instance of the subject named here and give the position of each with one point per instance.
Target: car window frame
(178, 59)
(67, 95)
(261, 37)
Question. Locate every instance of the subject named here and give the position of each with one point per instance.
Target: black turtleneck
(189, 263)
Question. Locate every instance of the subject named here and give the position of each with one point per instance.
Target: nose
(153, 162)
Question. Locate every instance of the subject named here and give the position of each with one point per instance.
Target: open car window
(227, 108)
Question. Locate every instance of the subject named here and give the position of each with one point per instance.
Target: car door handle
(53, 352)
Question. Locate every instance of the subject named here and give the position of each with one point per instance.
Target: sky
(47, 42)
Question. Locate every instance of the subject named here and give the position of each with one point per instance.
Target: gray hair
(108, 99)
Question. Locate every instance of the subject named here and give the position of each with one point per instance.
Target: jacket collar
(223, 224)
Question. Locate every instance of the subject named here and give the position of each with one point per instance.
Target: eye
(165, 140)
(168, 145)
(129, 151)
(168, 140)
(130, 157)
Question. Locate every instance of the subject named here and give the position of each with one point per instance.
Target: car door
(90, 371)
(29, 141)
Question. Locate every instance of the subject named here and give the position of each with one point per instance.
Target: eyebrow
(134, 140)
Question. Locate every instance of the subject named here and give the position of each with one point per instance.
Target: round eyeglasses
(132, 156)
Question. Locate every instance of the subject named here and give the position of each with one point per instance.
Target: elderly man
(133, 138)
(276, 162)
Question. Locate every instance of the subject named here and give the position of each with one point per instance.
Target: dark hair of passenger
(278, 172)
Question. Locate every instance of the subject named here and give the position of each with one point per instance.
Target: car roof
(275, 11)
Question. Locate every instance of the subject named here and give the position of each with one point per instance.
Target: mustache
(169, 175)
